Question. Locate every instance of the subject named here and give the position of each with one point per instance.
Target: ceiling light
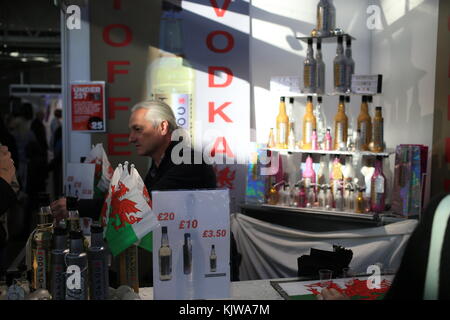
(40, 59)
(24, 59)
(14, 54)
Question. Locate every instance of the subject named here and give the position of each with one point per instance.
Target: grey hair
(157, 112)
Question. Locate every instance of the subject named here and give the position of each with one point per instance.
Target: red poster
(88, 106)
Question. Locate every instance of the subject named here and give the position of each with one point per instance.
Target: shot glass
(347, 274)
(325, 276)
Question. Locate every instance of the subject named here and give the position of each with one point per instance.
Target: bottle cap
(310, 41)
(364, 99)
(75, 235)
(282, 99)
(164, 229)
(96, 228)
(340, 39)
(319, 44)
(72, 203)
(187, 236)
(291, 100)
(378, 108)
(347, 99)
(319, 99)
(369, 99)
(309, 98)
(341, 98)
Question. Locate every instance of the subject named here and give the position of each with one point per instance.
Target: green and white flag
(127, 213)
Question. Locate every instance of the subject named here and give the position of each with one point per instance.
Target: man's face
(143, 135)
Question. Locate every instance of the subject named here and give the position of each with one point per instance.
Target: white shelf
(387, 153)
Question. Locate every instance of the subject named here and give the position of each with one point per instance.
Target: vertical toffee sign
(88, 106)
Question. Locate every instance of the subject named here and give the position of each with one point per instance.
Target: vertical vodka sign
(216, 40)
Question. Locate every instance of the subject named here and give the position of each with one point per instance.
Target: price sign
(191, 250)
(88, 106)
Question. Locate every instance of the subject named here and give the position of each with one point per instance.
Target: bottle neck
(340, 49)
(348, 52)
(364, 107)
(76, 246)
(378, 114)
(164, 239)
(45, 215)
(170, 35)
(60, 242)
(97, 239)
(309, 107)
(282, 108)
(310, 51)
(341, 107)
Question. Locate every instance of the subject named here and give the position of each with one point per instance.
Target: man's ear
(164, 127)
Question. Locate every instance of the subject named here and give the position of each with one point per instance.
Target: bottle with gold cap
(365, 124)
(282, 126)
(378, 137)
(360, 205)
(340, 126)
(309, 123)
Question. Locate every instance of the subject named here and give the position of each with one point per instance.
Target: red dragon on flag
(122, 209)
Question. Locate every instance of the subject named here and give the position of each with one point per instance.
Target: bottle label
(363, 128)
(308, 132)
(378, 133)
(307, 76)
(339, 75)
(99, 288)
(213, 263)
(40, 269)
(340, 133)
(379, 185)
(165, 267)
(282, 133)
(58, 282)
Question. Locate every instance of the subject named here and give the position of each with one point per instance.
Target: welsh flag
(127, 213)
(103, 170)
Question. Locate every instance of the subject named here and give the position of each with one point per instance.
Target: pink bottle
(309, 175)
(327, 142)
(315, 145)
(302, 197)
(378, 188)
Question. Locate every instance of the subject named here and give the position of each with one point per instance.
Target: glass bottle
(290, 113)
(309, 175)
(310, 196)
(365, 124)
(165, 257)
(77, 256)
(358, 142)
(309, 69)
(171, 76)
(284, 195)
(378, 187)
(213, 259)
(321, 122)
(340, 126)
(187, 254)
(328, 145)
(328, 198)
(320, 72)
(273, 196)
(378, 137)
(282, 126)
(294, 196)
(349, 64)
(309, 123)
(338, 200)
(302, 197)
(322, 173)
(337, 177)
(291, 139)
(321, 196)
(339, 64)
(359, 202)
(326, 18)
(315, 143)
(271, 143)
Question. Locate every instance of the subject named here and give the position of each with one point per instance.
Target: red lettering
(112, 107)
(107, 35)
(112, 71)
(218, 111)
(210, 41)
(225, 150)
(211, 74)
(220, 12)
(113, 143)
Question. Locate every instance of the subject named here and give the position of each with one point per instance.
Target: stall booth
(245, 82)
